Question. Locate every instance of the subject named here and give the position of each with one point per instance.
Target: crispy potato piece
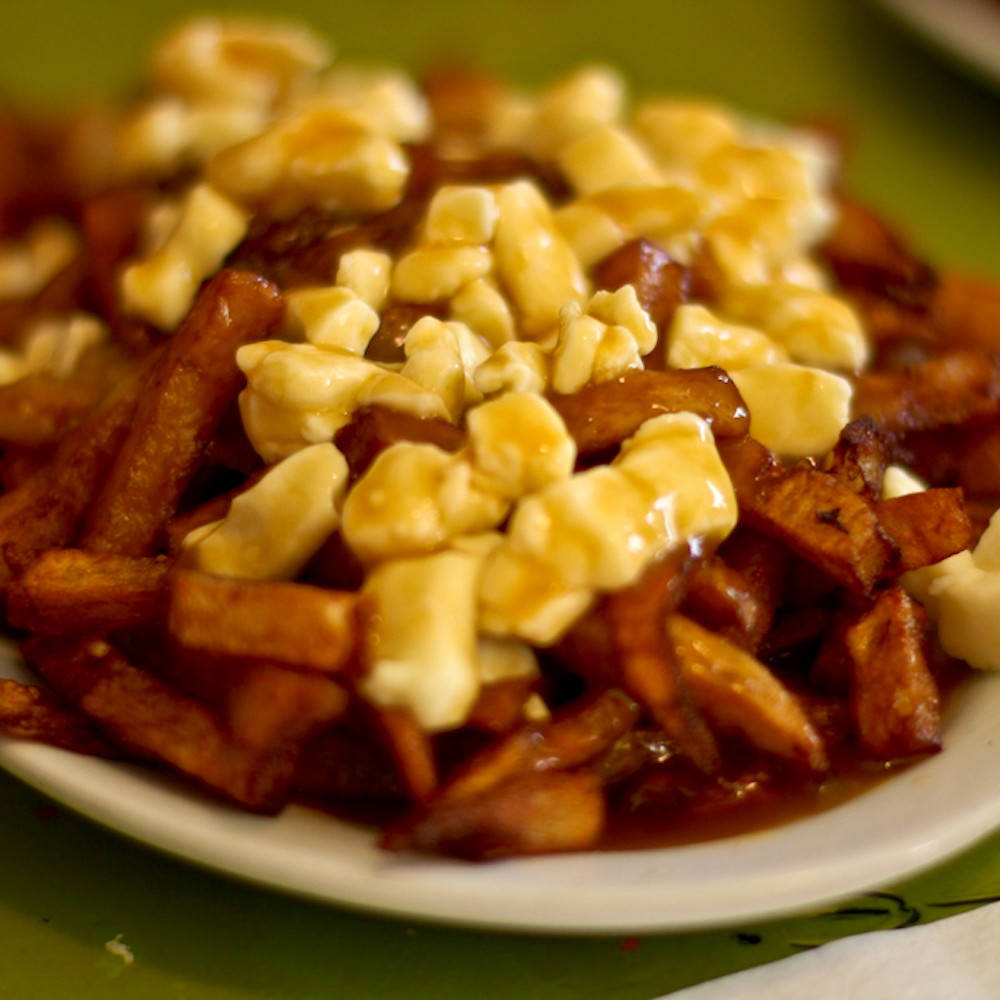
(189, 392)
(977, 459)
(40, 409)
(18, 464)
(811, 512)
(461, 101)
(528, 814)
(149, 718)
(111, 223)
(648, 669)
(45, 511)
(266, 705)
(411, 750)
(499, 706)
(966, 311)
(736, 691)
(723, 599)
(894, 698)
(27, 712)
(601, 416)
(926, 527)
(575, 736)
(952, 388)
(374, 428)
(661, 284)
(67, 591)
(309, 628)
(262, 703)
(860, 457)
(761, 562)
(865, 252)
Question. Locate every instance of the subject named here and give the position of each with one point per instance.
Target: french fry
(40, 409)
(149, 718)
(966, 311)
(738, 692)
(578, 734)
(410, 748)
(860, 457)
(374, 428)
(601, 416)
(309, 628)
(813, 513)
(649, 671)
(45, 511)
(529, 814)
(190, 389)
(721, 598)
(67, 591)
(894, 698)
(865, 252)
(660, 284)
(925, 527)
(27, 712)
(951, 388)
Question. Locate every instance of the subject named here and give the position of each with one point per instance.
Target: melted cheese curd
(473, 558)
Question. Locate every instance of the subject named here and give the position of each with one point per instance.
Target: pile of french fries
(725, 674)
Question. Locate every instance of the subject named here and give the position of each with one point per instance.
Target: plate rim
(508, 895)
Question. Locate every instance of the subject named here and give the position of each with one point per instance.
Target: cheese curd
(161, 287)
(599, 529)
(300, 394)
(273, 528)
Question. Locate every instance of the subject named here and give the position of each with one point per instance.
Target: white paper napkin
(957, 958)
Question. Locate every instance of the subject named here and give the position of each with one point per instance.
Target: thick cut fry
(529, 814)
(112, 224)
(262, 703)
(894, 699)
(499, 707)
(68, 591)
(374, 428)
(149, 718)
(813, 513)
(306, 627)
(649, 671)
(411, 750)
(761, 562)
(29, 713)
(966, 311)
(738, 692)
(722, 599)
(860, 458)
(579, 734)
(949, 389)
(660, 283)
(188, 394)
(601, 416)
(45, 511)
(865, 252)
(925, 527)
(40, 409)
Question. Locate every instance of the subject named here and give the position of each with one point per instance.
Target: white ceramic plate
(967, 29)
(921, 816)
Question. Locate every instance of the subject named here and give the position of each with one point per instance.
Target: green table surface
(927, 151)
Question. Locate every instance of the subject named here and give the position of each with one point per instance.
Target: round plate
(905, 824)
(967, 29)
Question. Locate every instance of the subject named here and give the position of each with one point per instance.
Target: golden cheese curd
(273, 528)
